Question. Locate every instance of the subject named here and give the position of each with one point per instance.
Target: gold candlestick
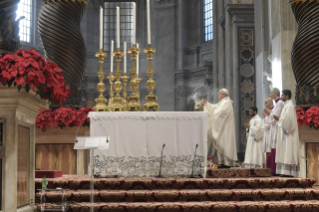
(118, 100)
(138, 81)
(125, 79)
(151, 98)
(101, 102)
(111, 78)
(133, 100)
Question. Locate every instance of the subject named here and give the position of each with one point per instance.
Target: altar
(140, 143)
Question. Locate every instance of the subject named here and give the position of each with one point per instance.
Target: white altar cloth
(137, 138)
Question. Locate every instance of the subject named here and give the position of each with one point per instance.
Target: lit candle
(112, 50)
(124, 57)
(101, 27)
(137, 61)
(134, 23)
(148, 23)
(118, 26)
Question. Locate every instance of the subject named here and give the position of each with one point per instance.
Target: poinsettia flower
(19, 80)
(30, 67)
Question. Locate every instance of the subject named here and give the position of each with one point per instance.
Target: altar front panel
(137, 138)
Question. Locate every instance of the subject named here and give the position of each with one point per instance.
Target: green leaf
(10, 83)
(27, 88)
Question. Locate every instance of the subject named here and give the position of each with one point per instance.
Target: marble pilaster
(17, 108)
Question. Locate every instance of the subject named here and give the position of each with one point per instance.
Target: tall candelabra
(133, 100)
(101, 102)
(150, 98)
(117, 103)
(125, 79)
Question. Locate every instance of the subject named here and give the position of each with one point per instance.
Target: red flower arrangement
(31, 68)
(309, 117)
(63, 117)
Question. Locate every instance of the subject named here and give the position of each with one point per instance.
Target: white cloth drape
(137, 138)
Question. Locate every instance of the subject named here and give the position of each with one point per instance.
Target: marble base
(309, 147)
(17, 108)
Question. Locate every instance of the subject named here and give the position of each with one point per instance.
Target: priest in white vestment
(267, 132)
(287, 149)
(221, 139)
(276, 111)
(254, 156)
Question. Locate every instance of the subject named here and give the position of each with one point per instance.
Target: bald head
(222, 93)
(268, 103)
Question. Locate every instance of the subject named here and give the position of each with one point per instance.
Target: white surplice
(287, 148)
(273, 122)
(221, 139)
(254, 156)
(267, 135)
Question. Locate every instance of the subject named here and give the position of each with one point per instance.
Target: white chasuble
(221, 139)
(287, 148)
(267, 135)
(273, 122)
(254, 149)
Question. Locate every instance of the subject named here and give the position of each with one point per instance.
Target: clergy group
(272, 140)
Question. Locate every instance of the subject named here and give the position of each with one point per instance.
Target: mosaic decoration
(247, 78)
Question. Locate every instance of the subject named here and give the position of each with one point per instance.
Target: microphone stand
(76, 134)
(160, 170)
(192, 175)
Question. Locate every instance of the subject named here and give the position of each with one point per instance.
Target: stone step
(83, 182)
(265, 206)
(237, 173)
(184, 195)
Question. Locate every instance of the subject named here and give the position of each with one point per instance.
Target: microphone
(160, 170)
(107, 135)
(192, 175)
(76, 134)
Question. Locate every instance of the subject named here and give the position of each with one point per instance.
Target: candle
(148, 23)
(124, 57)
(118, 26)
(134, 23)
(137, 61)
(112, 50)
(101, 27)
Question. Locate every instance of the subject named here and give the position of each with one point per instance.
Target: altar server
(287, 148)
(221, 131)
(276, 111)
(254, 157)
(267, 132)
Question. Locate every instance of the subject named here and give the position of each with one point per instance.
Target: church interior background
(201, 46)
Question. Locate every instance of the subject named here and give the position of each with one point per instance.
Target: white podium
(91, 143)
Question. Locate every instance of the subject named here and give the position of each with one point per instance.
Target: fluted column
(59, 29)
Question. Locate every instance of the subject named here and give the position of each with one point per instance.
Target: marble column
(164, 41)
(262, 51)
(283, 29)
(239, 30)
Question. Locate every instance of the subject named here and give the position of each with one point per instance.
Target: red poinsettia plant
(31, 69)
(309, 117)
(63, 117)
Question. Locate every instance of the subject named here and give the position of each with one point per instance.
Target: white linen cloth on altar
(137, 138)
